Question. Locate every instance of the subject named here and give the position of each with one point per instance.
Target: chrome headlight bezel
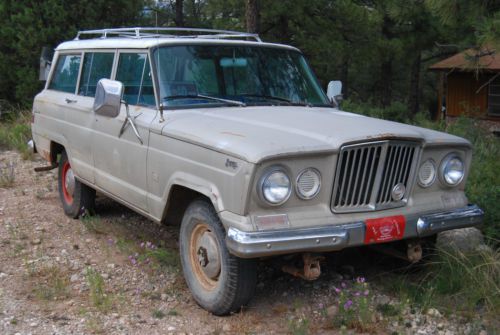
(262, 184)
(445, 165)
(435, 172)
(297, 188)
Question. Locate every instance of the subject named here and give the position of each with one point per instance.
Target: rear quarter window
(66, 73)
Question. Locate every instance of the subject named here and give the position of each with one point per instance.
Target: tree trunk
(179, 15)
(344, 74)
(252, 13)
(414, 96)
(385, 85)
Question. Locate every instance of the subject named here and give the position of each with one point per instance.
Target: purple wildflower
(343, 285)
(357, 294)
(347, 305)
(366, 293)
(110, 241)
(360, 280)
(142, 245)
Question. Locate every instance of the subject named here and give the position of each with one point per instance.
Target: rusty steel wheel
(75, 196)
(220, 282)
(204, 255)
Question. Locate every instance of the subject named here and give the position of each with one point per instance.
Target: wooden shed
(469, 84)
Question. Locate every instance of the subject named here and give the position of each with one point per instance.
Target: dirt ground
(100, 275)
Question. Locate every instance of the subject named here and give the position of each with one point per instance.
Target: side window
(66, 73)
(135, 74)
(96, 65)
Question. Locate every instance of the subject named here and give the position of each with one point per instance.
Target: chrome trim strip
(458, 218)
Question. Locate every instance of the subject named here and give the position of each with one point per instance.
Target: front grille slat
(363, 182)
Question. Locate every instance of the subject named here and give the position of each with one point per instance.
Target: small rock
(226, 327)
(105, 276)
(483, 332)
(464, 240)
(115, 315)
(440, 326)
(111, 266)
(3, 275)
(332, 311)
(163, 296)
(88, 240)
(36, 241)
(64, 252)
(33, 324)
(433, 312)
(74, 278)
(171, 328)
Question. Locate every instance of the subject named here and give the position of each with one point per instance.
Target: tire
(219, 282)
(75, 196)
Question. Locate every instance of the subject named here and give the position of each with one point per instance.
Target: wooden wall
(462, 97)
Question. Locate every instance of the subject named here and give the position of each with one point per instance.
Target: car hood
(258, 133)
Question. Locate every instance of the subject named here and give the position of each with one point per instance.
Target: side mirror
(334, 92)
(108, 97)
(45, 63)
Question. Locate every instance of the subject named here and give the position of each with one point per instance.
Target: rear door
(64, 117)
(120, 161)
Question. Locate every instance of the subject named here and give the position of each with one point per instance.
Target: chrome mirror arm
(130, 120)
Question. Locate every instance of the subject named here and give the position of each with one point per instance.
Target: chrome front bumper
(331, 238)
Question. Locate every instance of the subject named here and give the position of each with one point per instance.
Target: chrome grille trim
(367, 172)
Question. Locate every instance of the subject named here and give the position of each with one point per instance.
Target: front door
(120, 160)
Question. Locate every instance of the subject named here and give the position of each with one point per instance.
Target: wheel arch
(181, 193)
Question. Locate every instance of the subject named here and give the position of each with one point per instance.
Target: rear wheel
(75, 196)
(220, 282)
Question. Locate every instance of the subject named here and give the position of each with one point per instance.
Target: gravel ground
(64, 276)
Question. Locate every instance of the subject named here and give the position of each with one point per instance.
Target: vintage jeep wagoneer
(234, 139)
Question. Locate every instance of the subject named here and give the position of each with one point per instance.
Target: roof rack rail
(143, 32)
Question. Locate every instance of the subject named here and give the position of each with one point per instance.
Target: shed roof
(485, 58)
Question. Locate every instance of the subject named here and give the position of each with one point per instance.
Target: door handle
(70, 101)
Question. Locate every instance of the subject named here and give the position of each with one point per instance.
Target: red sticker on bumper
(385, 229)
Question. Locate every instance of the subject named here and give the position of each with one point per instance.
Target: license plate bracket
(386, 229)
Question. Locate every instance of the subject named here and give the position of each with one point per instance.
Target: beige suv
(234, 139)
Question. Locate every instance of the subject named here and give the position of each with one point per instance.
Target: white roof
(146, 42)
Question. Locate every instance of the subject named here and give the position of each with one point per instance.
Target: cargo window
(96, 65)
(135, 74)
(66, 73)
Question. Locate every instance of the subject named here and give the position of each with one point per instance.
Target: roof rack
(144, 32)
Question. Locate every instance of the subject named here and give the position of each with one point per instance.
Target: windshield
(194, 75)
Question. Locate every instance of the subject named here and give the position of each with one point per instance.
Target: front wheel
(220, 282)
(75, 196)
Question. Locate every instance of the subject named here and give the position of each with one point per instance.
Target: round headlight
(275, 186)
(427, 173)
(452, 170)
(308, 183)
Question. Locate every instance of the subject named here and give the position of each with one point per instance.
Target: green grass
(7, 175)
(158, 314)
(15, 132)
(51, 284)
(455, 282)
(97, 291)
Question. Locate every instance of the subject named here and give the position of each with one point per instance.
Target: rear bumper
(331, 238)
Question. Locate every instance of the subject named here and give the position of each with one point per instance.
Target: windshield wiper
(195, 96)
(272, 97)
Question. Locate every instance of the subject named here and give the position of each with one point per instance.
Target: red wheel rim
(68, 198)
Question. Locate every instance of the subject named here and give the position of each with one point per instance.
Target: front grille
(367, 174)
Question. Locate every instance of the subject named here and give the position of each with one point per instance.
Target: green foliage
(27, 26)
(298, 326)
(15, 132)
